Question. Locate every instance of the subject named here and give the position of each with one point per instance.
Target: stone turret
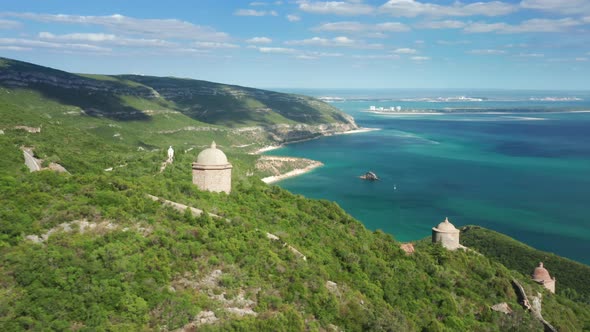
(541, 275)
(446, 234)
(212, 171)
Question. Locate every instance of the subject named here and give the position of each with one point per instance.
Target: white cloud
(93, 37)
(405, 51)
(259, 40)
(102, 38)
(252, 12)
(305, 57)
(325, 54)
(479, 27)
(317, 41)
(342, 27)
(578, 59)
(154, 28)
(531, 55)
(277, 50)
(316, 55)
(30, 43)
(215, 45)
(568, 7)
(392, 27)
(371, 30)
(258, 3)
(15, 48)
(411, 8)
(8, 24)
(377, 56)
(447, 24)
(519, 45)
(298, 54)
(453, 42)
(249, 12)
(532, 25)
(341, 41)
(293, 18)
(487, 52)
(420, 58)
(344, 8)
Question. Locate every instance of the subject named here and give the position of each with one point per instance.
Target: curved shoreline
(293, 173)
(274, 147)
(315, 164)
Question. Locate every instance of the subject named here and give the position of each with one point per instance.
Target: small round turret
(542, 276)
(212, 171)
(446, 234)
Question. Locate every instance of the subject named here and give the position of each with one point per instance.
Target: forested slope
(89, 250)
(573, 278)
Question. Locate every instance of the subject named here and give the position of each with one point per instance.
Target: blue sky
(525, 44)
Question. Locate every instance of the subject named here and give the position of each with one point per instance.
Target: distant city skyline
(525, 44)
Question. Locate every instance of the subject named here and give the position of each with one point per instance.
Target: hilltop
(111, 245)
(283, 117)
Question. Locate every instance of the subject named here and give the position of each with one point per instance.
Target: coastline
(356, 131)
(459, 112)
(405, 113)
(313, 163)
(296, 172)
(274, 147)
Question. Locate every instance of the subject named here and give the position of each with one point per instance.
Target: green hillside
(232, 105)
(132, 97)
(573, 278)
(89, 250)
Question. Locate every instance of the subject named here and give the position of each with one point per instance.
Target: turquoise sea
(512, 167)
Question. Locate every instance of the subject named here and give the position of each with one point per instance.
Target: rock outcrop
(369, 176)
(535, 307)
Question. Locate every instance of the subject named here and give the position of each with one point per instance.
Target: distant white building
(372, 108)
(398, 108)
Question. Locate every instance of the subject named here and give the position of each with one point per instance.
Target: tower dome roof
(446, 226)
(212, 156)
(541, 273)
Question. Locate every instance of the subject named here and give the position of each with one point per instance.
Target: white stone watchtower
(446, 234)
(212, 171)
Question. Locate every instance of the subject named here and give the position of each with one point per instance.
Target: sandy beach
(405, 113)
(295, 172)
(267, 148)
(314, 164)
(357, 131)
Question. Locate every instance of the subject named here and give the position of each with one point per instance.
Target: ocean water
(512, 167)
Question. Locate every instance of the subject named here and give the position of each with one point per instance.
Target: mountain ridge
(208, 102)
